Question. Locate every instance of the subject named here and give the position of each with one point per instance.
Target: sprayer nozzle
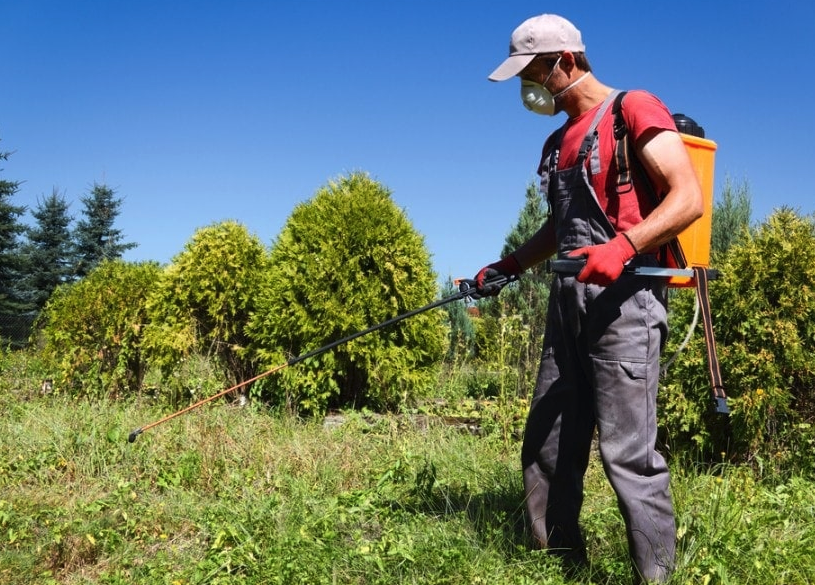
(132, 436)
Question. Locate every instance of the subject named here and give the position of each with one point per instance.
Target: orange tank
(695, 240)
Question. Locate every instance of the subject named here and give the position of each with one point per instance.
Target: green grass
(229, 495)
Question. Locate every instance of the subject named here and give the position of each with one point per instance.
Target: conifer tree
(731, 216)
(10, 260)
(348, 259)
(49, 252)
(95, 237)
(460, 330)
(203, 301)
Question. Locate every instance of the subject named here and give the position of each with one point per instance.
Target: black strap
(625, 182)
(719, 396)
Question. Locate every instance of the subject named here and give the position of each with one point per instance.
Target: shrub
(203, 301)
(92, 329)
(763, 312)
(346, 260)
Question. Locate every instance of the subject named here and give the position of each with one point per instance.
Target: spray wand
(466, 288)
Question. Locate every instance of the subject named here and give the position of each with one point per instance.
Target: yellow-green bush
(92, 329)
(763, 310)
(203, 301)
(348, 259)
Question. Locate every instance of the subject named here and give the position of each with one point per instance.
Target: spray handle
(469, 287)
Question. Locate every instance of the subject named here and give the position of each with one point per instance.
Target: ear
(567, 62)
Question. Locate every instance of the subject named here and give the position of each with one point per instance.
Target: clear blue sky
(197, 112)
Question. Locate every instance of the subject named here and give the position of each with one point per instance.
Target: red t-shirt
(642, 111)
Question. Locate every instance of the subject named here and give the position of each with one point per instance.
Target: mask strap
(552, 72)
(570, 86)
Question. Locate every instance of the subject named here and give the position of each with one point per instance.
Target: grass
(230, 495)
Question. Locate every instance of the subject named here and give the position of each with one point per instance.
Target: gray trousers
(600, 369)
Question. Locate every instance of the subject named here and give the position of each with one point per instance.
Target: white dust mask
(536, 97)
(540, 100)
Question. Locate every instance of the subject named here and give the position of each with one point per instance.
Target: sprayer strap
(719, 396)
(625, 181)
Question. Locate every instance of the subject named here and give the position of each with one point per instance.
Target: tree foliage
(48, 253)
(204, 300)
(731, 216)
(346, 260)
(763, 311)
(10, 230)
(95, 236)
(92, 329)
(460, 329)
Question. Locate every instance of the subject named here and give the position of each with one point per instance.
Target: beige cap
(547, 33)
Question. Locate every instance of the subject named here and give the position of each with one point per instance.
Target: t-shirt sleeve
(644, 111)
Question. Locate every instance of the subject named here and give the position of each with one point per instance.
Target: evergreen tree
(95, 237)
(765, 335)
(348, 259)
(203, 301)
(49, 252)
(731, 216)
(10, 259)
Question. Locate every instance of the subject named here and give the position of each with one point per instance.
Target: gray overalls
(599, 368)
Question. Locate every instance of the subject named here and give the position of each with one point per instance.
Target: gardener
(605, 328)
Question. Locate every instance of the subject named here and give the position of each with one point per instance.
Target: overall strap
(549, 161)
(548, 165)
(590, 139)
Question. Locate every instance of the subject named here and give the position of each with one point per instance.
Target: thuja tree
(763, 310)
(92, 329)
(348, 259)
(203, 302)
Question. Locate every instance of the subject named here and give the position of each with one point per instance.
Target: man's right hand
(507, 266)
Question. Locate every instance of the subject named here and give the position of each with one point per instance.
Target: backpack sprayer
(466, 288)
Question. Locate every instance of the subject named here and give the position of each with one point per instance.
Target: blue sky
(197, 112)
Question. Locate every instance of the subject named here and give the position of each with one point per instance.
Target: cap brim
(511, 67)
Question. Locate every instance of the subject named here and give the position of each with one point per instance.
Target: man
(605, 327)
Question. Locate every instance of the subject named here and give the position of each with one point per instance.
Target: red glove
(605, 262)
(506, 266)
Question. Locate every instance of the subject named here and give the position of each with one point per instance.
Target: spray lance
(467, 288)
